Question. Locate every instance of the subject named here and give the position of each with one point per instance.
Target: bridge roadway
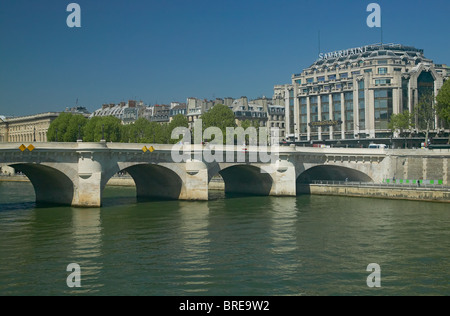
(76, 173)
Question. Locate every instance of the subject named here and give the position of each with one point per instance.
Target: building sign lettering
(343, 53)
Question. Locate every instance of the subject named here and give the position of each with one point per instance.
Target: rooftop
(369, 52)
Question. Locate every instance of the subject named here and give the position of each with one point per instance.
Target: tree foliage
(108, 127)
(65, 128)
(401, 122)
(443, 102)
(177, 121)
(425, 112)
(220, 116)
(144, 131)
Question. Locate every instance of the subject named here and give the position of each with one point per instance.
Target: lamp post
(34, 134)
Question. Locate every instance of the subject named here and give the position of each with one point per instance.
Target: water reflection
(283, 232)
(313, 245)
(194, 222)
(87, 248)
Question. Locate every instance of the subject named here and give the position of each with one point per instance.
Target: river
(308, 245)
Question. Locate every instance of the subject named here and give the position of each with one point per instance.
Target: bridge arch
(152, 180)
(246, 179)
(333, 173)
(51, 185)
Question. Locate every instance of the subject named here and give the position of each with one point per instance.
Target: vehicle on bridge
(377, 146)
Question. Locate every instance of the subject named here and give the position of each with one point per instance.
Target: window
(361, 106)
(383, 108)
(325, 111)
(361, 85)
(382, 62)
(314, 109)
(355, 73)
(344, 75)
(299, 81)
(348, 104)
(310, 80)
(332, 77)
(382, 81)
(303, 115)
(368, 70)
(321, 79)
(405, 99)
(382, 70)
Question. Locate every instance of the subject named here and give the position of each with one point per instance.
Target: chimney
(131, 103)
(105, 106)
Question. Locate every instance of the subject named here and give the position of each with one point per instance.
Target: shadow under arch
(333, 173)
(51, 186)
(155, 182)
(246, 179)
(328, 173)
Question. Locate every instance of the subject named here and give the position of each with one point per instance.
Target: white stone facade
(358, 92)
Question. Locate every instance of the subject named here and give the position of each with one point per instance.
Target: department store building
(351, 94)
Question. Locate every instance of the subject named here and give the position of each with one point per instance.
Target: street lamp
(34, 134)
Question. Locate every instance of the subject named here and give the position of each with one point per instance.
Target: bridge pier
(88, 184)
(284, 178)
(195, 184)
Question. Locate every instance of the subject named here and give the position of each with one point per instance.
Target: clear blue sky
(163, 51)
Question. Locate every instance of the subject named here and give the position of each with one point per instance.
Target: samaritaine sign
(343, 53)
(325, 123)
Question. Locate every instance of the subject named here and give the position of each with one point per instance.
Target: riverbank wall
(396, 193)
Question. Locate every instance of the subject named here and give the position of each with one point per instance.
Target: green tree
(65, 128)
(141, 131)
(108, 126)
(250, 123)
(220, 116)
(425, 113)
(75, 128)
(443, 103)
(177, 121)
(401, 122)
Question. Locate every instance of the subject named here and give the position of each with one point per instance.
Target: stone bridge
(77, 173)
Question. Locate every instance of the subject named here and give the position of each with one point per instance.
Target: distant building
(78, 110)
(31, 128)
(177, 109)
(194, 109)
(161, 114)
(276, 119)
(127, 112)
(352, 94)
(255, 111)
